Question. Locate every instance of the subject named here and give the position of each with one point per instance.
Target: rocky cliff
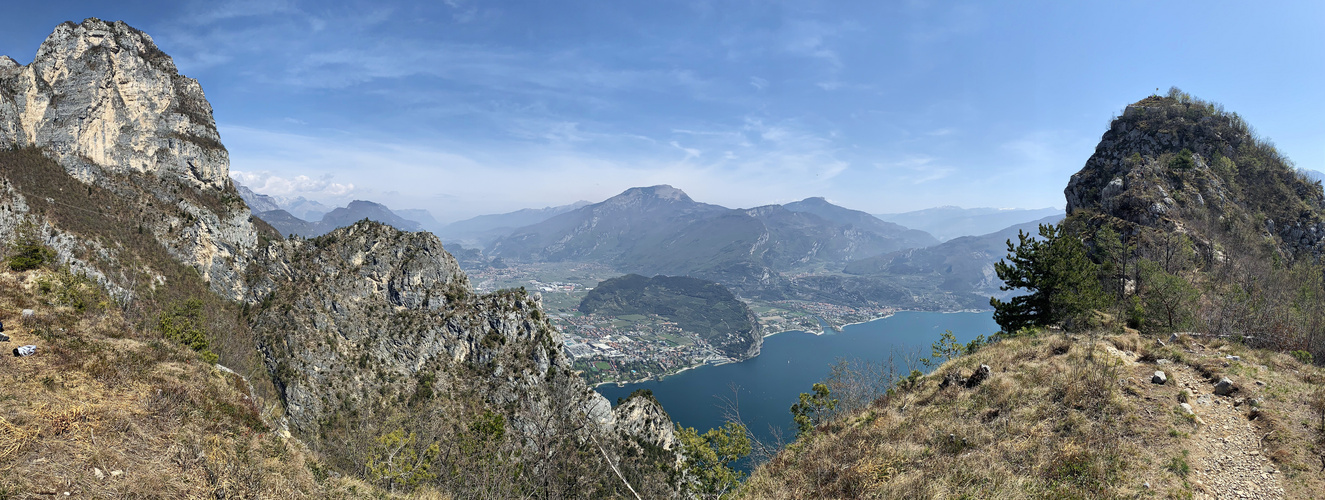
(368, 324)
(1186, 166)
(102, 100)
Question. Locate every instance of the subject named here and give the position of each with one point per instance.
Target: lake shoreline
(724, 361)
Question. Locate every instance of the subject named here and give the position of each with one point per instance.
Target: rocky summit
(103, 101)
(1186, 166)
(102, 98)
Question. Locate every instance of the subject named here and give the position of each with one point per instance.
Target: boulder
(1159, 378)
(952, 378)
(979, 376)
(1225, 387)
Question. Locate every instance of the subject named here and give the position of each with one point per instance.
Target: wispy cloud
(268, 183)
(917, 169)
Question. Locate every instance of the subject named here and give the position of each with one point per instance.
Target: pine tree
(1062, 282)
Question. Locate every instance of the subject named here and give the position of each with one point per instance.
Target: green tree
(29, 253)
(1168, 299)
(184, 323)
(1062, 283)
(397, 463)
(709, 457)
(812, 409)
(946, 347)
(1182, 162)
(1112, 254)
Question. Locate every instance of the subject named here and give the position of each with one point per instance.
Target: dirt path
(1227, 460)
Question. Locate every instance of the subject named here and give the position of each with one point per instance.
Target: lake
(791, 362)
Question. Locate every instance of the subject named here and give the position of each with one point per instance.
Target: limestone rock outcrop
(1187, 166)
(642, 417)
(110, 107)
(102, 96)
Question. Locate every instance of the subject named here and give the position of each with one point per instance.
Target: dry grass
(1058, 418)
(132, 416)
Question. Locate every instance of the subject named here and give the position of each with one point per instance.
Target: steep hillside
(108, 409)
(1067, 417)
(963, 265)
(699, 306)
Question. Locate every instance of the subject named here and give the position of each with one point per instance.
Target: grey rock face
(102, 96)
(106, 104)
(354, 318)
(644, 418)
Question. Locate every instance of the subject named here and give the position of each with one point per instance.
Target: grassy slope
(105, 410)
(111, 214)
(1063, 418)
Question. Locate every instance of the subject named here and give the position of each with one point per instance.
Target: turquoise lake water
(789, 363)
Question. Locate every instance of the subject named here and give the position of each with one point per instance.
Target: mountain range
(950, 222)
(963, 265)
(661, 230)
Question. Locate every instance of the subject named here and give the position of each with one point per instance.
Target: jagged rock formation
(1186, 166)
(102, 96)
(367, 320)
(643, 417)
(102, 100)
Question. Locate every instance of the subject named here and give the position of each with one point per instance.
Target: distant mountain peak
(661, 192)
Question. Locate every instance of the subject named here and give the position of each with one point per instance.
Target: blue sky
(466, 107)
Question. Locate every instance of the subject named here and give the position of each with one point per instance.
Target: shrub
(183, 323)
(1303, 357)
(397, 462)
(29, 252)
(708, 458)
(812, 409)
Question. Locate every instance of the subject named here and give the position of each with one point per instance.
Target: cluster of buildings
(607, 353)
